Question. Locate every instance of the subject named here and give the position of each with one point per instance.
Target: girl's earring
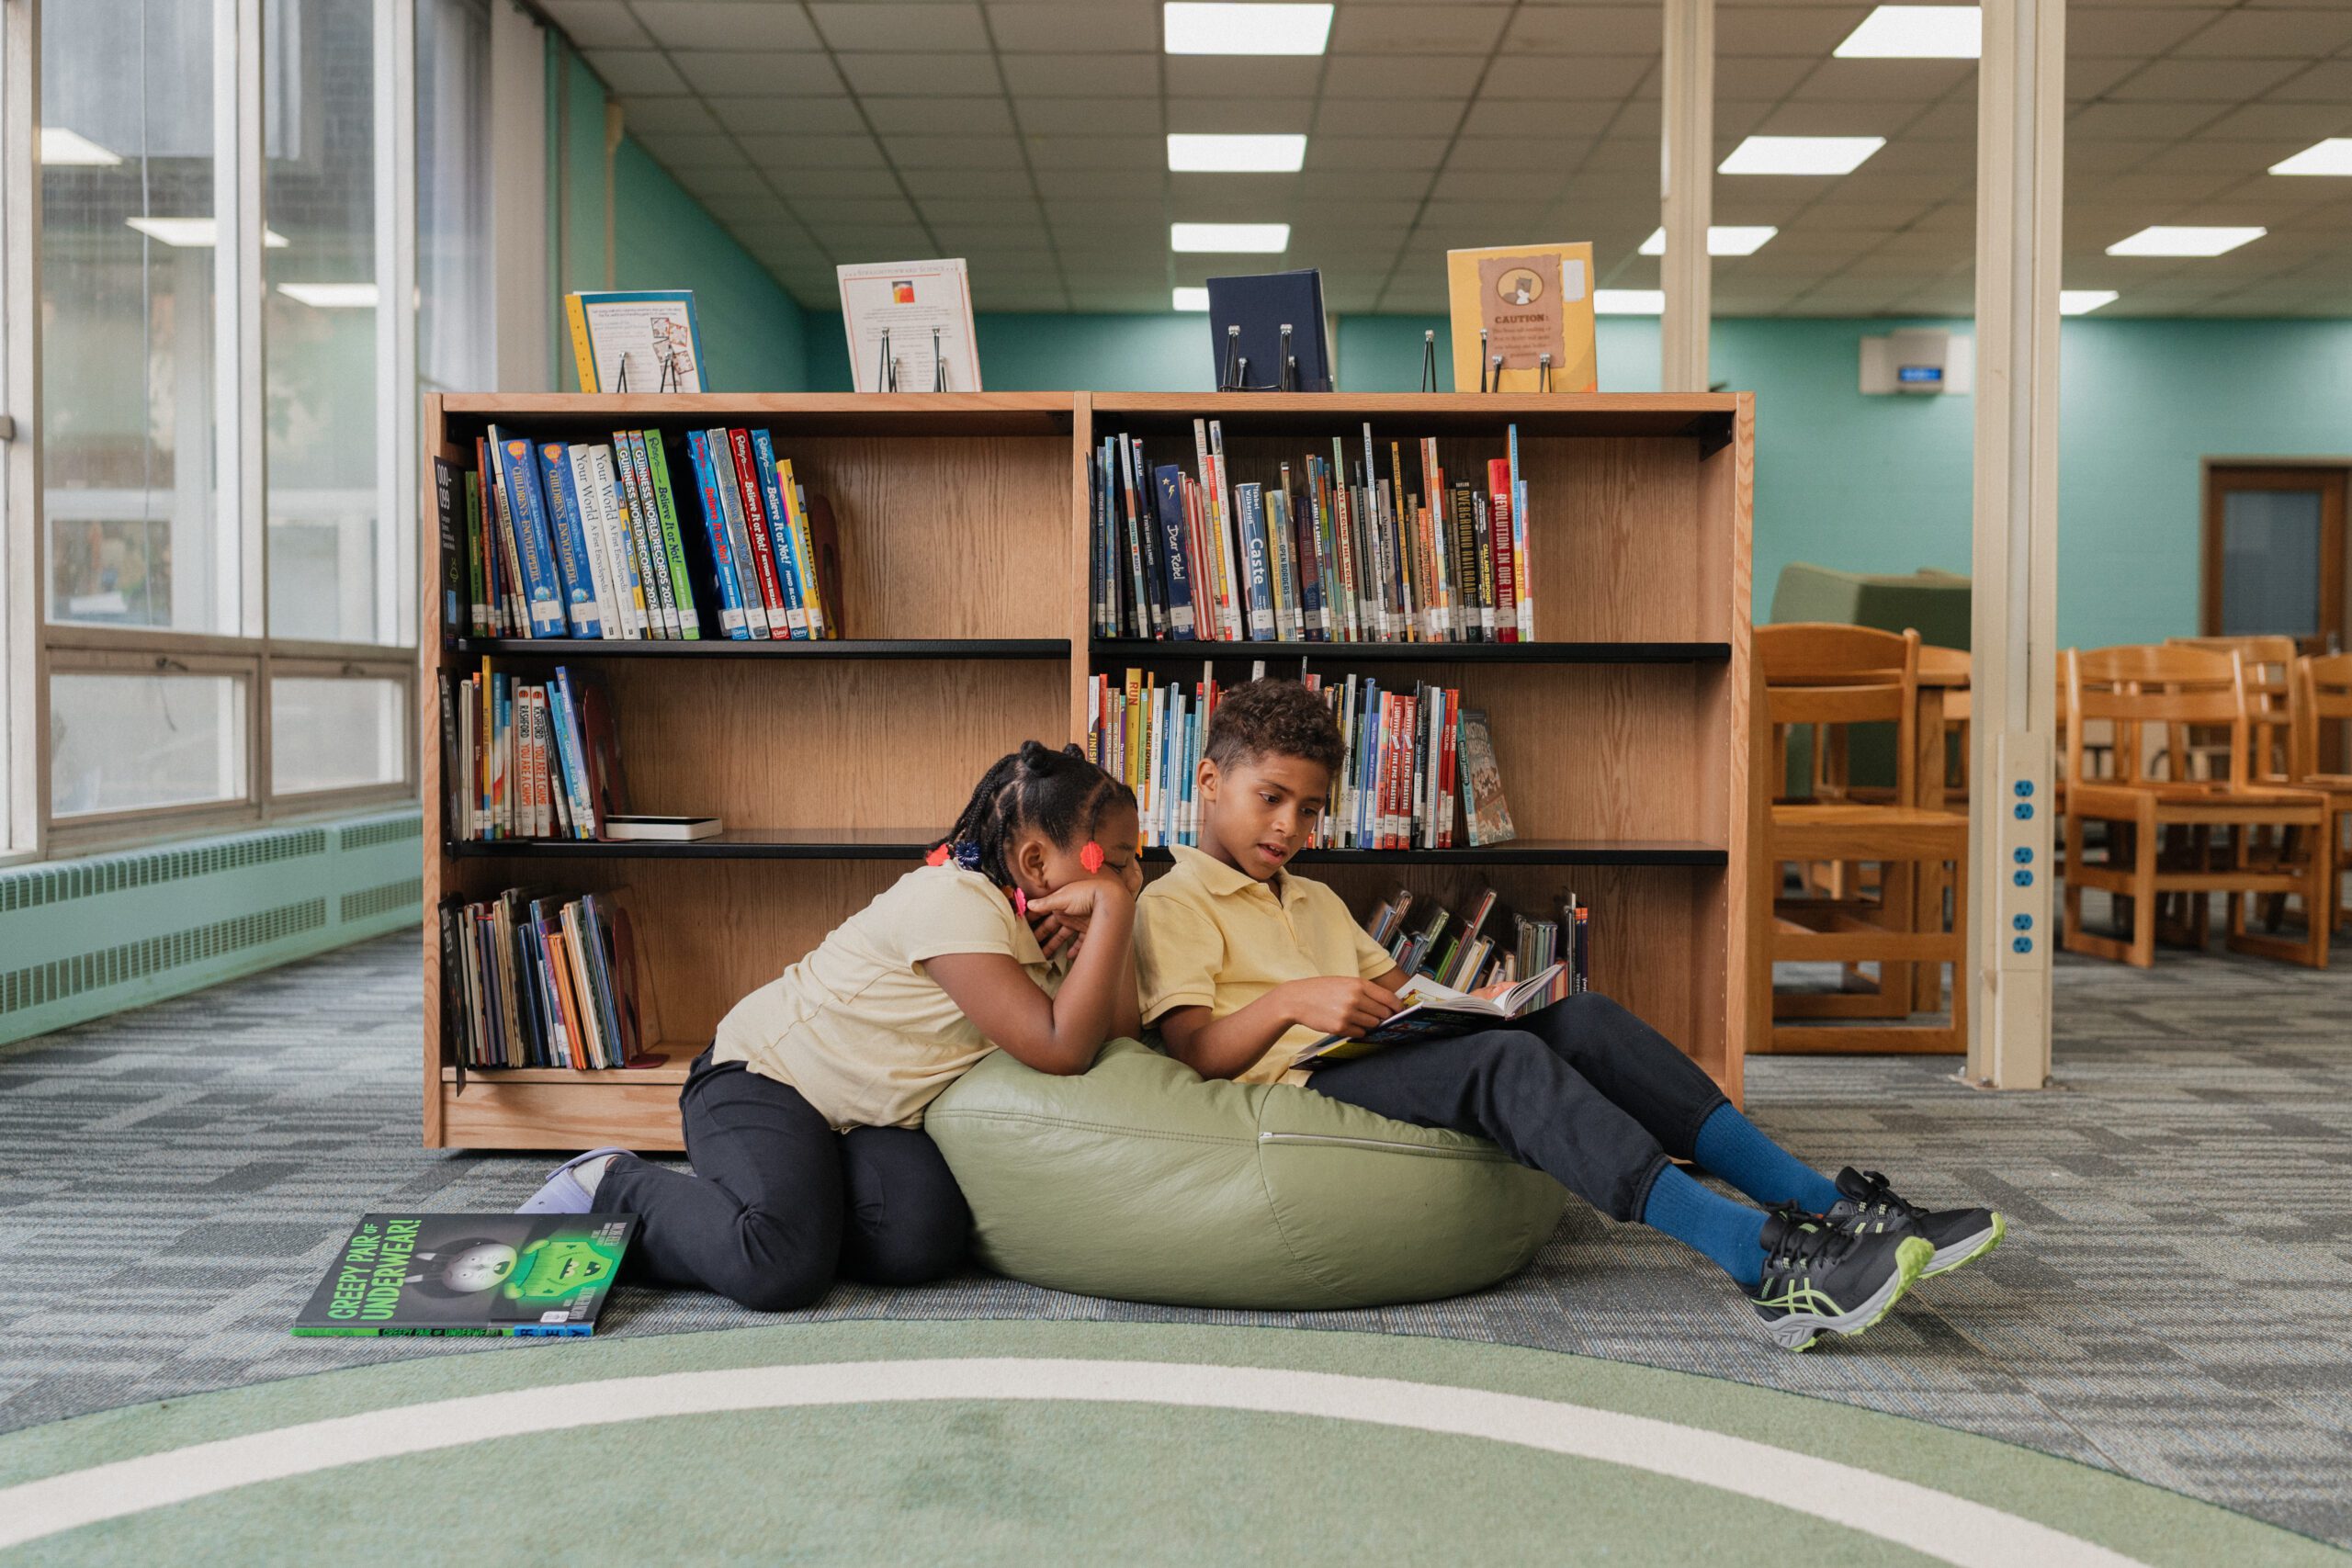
(1090, 857)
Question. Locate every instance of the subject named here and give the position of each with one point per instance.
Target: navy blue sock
(1732, 1147)
(1731, 1234)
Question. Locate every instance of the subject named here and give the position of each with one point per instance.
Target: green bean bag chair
(1142, 1181)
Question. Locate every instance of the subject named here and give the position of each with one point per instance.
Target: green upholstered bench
(1141, 1181)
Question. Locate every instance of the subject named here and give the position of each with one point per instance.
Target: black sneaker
(1870, 1206)
(1817, 1277)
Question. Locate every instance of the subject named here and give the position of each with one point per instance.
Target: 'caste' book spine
(1249, 502)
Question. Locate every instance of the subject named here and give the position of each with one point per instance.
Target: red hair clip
(1090, 857)
(938, 856)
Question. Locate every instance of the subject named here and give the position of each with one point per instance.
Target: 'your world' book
(522, 1275)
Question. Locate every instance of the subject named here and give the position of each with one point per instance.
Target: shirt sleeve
(1371, 959)
(1179, 951)
(959, 914)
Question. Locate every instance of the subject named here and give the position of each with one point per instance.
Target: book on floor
(496, 1275)
(1434, 1011)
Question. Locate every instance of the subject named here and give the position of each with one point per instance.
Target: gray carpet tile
(2170, 1305)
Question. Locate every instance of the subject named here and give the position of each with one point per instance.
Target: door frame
(2333, 591)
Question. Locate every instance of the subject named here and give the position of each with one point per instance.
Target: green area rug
(1029, 1443)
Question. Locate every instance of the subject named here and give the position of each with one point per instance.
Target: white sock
(588, 1173)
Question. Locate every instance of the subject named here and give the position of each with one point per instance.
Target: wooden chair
(2169, 687)
(2322, 760)
(2269, 666)
(1835, 676)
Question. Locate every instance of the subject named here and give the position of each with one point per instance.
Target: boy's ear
(1205, 780)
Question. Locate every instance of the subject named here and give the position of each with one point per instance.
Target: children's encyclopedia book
(522, 1275)
(1433, 1011)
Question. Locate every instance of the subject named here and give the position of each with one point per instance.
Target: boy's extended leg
(1638, 1068)
(759, 1220)
(906, 1219)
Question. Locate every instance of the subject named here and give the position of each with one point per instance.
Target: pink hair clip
(938, 856)
(1021, 903)
(1090, 857)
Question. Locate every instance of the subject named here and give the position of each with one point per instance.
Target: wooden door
(2274, 554)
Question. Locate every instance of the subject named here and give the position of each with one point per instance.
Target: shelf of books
(800, 626)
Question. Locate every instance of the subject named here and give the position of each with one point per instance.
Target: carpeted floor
(2170, 1307)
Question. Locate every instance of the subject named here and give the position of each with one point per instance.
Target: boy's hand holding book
(1341, 1005)
(1431, 1012)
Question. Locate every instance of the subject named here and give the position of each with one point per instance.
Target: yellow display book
(1530, 301)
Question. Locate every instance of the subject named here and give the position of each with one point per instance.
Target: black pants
(778, 1202)
(1582, 1090)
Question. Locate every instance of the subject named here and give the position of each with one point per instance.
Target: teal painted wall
(1877, 484)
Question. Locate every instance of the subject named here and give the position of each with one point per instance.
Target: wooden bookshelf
(1625, 751)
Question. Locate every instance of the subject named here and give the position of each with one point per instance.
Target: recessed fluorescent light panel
(1629, 301)
(331, 296)
(1722, 239)
(2184, 240)
(2333, 156)
(2083, 301)
(1229, 239)
(61, 148)
(1193, 27)
(1236, 154)
(1800, 154)
(195, 233)
(1190, 299)
(1916, 32)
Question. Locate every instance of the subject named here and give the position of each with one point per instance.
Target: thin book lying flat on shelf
(483, 1275)
(659, 830)
(1434, 1011)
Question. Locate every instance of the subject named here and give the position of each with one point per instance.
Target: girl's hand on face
(1078, 901)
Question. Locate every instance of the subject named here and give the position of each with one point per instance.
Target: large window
(227, 539)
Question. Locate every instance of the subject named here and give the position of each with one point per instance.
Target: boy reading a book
(1245, 964)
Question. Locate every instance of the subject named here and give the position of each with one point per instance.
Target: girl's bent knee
(776, 1289)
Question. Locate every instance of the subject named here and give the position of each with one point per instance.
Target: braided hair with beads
(1059, 794)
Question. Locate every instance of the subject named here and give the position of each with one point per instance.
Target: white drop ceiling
(1029, 136)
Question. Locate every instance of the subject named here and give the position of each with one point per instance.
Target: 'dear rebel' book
(517, 1275)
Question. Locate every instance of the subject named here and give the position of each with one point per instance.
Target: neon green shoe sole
(1798, 1330)
(1968, 1249)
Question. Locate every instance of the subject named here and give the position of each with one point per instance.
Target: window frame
(32, 648)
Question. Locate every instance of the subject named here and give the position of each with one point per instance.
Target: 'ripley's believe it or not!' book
(537, 1275)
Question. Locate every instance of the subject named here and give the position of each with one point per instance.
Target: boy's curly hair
(1280, 718)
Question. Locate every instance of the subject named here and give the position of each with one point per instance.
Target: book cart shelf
(1622, 732)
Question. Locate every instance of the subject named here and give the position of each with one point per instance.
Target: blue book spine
(528, 508)
(714, 527)
(785, 538)
(567, 756)
(1169, 482)
(501, 713)
(1367, 767)
(1314, 626)
(579, 601)
(1250, 499)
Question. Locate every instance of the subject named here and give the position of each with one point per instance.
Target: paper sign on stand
(922, 311)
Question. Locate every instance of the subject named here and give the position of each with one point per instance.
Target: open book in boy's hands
(1433, 1011)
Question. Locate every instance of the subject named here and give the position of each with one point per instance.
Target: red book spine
(1506, 561)
(1446, 763)
(756, 522)
(1392, 715)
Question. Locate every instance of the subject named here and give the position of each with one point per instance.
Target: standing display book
(523, 1276)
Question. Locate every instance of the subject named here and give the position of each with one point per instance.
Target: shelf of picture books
(529, 758)
(1420, 777)
(708, 538)
(1487, 943)
(1376, 542)
(536, 980)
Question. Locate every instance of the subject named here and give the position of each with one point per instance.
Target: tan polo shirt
(859, 1027)
(1209, 935)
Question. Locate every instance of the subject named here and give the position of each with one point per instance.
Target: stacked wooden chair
(1830, 678)
(2323, 763)
(2170, 832)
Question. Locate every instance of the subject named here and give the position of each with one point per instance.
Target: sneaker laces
(1803, 1243)
(1877, 1192)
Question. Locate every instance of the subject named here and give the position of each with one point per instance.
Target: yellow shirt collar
(1221, 879)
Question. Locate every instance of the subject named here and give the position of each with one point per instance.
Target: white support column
(397, 460)
(2019, 146)
(522, 316)
(23, 543)
(241, 531)
(1687, 170)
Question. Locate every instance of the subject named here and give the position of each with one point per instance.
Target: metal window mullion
(397, 458)
(24, 748)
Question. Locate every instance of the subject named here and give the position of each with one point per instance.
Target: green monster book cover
(523, 1275)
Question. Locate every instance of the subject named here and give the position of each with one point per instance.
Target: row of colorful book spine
(1149, 733)
(1489, 945)
(557, 539)
(527, 758)
(1334, 550)
(540, 981)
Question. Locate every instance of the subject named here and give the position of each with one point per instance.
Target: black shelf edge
(1132, 650)
(724, 648)
(752, 844)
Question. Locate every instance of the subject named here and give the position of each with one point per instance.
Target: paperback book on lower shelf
(534, 979)
(482, 1275)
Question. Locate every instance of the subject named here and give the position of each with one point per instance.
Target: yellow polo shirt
(1209, 935)
(858, 1026)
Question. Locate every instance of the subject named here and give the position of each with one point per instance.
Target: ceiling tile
(1070, 116)
(1100, 25)
(1380, 77)
(777, 156)
(1008, 183)
(1795, 119)
(941, 116)
(888, 241)
(1756, 77)
(1884, 81)
(2300, 33)
(788, 116)
(2138, 32)
(676, 150)
(2329, 81)
(2106, 157)
(915, 76)
(646, 72)
(2262, 122)
(1101, 185)
(1786, 29)
(759, 76)
(1536, 158)
(2137, 123)
(1418, 29)
(1532, 117)
(1555, 76)
(831, 152)
(1411, 117)
(953, 152)
(668, 114)
(721, 184)
(723, 24)
(1241, 76)
(597, 24)
(825, 214)
(1081, 75)
(1231, 115)
(2087, 76)
(1393, 154)
(964, 210)
(896, 27)
(1143, 155)
(1271, 194)
(2204, 81)
(1587, 30)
